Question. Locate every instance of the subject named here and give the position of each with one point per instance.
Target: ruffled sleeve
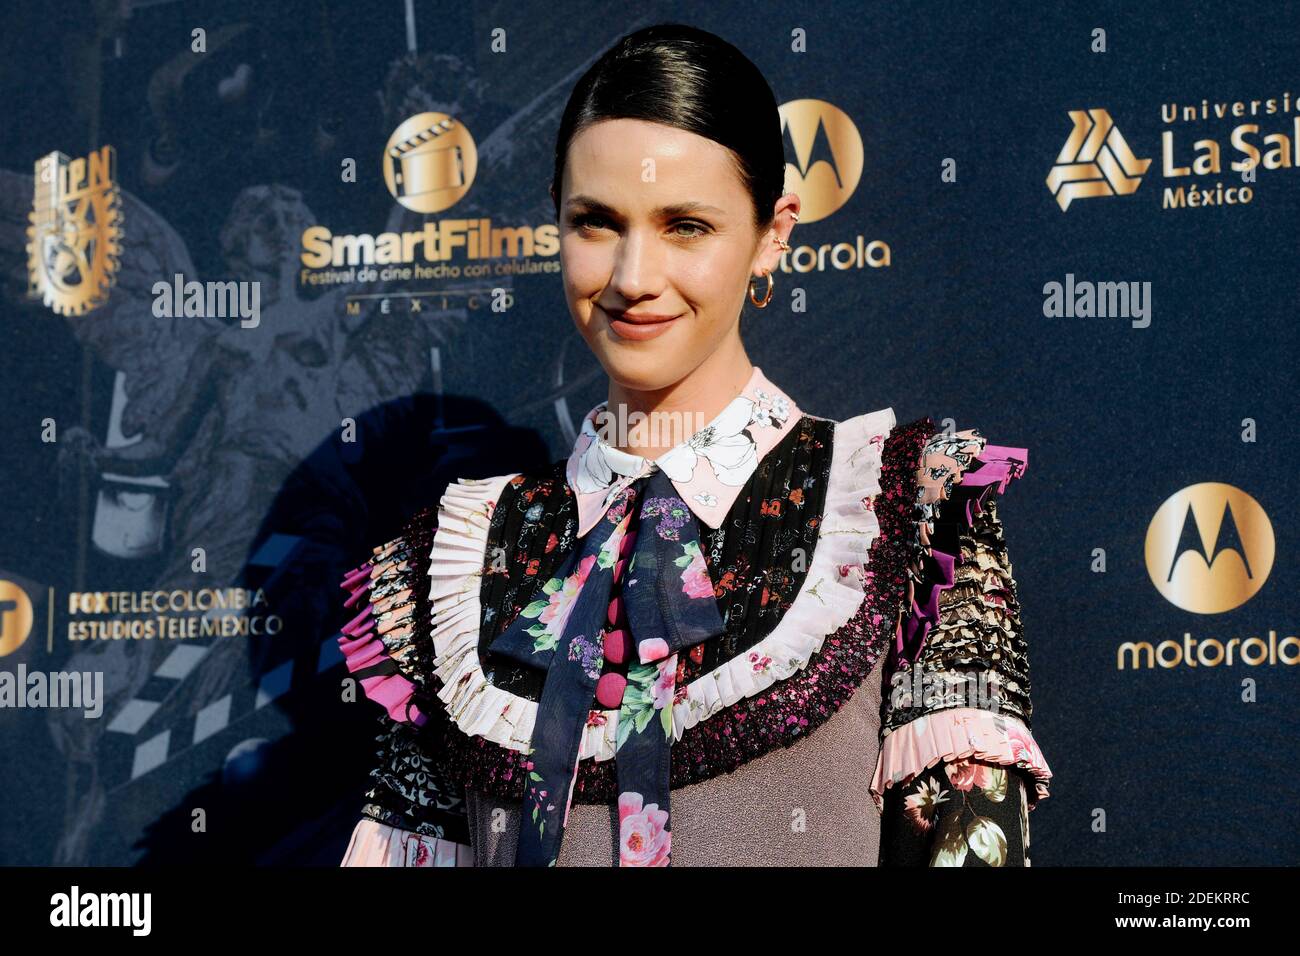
(414, 812)
(956, 711)
(386, 643)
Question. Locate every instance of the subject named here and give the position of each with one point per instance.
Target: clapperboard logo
(212, 695)
(1095, 161)
(430, 162)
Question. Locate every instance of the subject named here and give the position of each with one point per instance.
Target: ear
(769, 252)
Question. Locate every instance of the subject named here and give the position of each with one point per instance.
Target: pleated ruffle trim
(832, 592)
(955, 734)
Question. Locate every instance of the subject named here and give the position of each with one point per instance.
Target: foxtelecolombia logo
(15, 617)
(74, 240)
(1095, 161)
(1209, 548)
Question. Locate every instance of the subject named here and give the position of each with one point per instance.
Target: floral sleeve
(957, 813)
(959, 770)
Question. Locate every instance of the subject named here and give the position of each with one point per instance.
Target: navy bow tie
(609, 626)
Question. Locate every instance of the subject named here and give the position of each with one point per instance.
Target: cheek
(711, 282)
(587, 266)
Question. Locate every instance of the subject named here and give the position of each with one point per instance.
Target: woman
(694, 648)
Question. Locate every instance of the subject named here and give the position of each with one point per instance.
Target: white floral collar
(708, 469)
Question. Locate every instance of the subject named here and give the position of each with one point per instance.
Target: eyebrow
(663, 212)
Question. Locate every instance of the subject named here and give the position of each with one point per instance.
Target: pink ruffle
(954, 734)
(362, 648)
(376, 844)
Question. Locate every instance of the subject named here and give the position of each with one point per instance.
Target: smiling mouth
(637, 319)
(639, 328)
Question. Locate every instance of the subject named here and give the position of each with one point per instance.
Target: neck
(677, 411)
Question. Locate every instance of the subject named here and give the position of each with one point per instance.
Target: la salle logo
(1095, 161)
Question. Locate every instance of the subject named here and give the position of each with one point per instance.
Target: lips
(639, 319)
(639, 327)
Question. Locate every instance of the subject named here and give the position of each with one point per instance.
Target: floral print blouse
(837, 552)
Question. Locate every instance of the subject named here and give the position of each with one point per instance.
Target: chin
(643, 370)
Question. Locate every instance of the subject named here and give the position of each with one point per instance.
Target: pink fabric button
(615, 646)
(609, 690)
(652, 649)
(618, 569)
(615, 608)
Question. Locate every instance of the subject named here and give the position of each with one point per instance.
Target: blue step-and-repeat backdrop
(1076, 228)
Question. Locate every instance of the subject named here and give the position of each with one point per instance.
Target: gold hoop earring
(767, 297)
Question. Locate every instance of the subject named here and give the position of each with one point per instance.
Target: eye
(588, 220)
(700, 228)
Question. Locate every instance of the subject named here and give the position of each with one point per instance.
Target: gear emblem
(74, 239)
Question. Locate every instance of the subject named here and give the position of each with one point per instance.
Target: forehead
(609, 161)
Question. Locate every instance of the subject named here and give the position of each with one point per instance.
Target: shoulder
(950, 457)
(471, 506)
(440, 550)
(958, 476)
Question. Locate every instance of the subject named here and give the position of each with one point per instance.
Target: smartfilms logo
(430, 162)
(429, 165)
(74, 239)
(1095, 161)
(1209, 549)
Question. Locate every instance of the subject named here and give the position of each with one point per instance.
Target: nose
(638, 266)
